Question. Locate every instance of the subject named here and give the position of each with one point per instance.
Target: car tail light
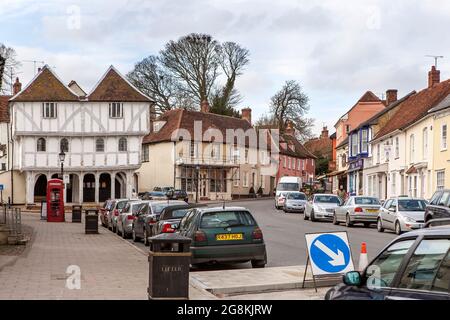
(130, 217)
(152, 220)
(167, 228)
(358, 209)
(257, 234)
(199, 236)
(116, 212)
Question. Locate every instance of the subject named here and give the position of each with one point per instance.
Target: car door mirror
(352, 278)
(391, 209)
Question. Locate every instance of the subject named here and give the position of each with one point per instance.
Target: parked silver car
(115, 212)
(358, 209)
(126, 217)
(402, 214)
(321, 206)
(295, 202)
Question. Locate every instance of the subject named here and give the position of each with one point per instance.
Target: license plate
(372, 210)
(230, 236)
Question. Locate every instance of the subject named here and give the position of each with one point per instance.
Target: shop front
(355, 177)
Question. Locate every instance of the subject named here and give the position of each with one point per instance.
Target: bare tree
(8, 63)
(290, 104)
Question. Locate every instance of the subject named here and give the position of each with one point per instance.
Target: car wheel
(146, 243)
(124, 234)
(335, 221)
(260, 263)
(134, 236)
(366, 224)
(380, 225)
(398, 228)
(348, 222)
(313, 218)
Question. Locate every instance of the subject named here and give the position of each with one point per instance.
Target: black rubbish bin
(169, 260)
(91, 221)
(76, 214)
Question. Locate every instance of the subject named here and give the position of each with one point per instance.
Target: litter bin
(169, 260)
(91, 221)
(76, 213)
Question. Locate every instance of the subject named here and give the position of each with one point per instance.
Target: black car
(178, 195)
(415, 265)
(147, 217)
(439, 206)
(170, 218)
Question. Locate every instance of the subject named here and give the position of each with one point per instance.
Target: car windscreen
(178, 214)
(159, 207)
(367, 200)
(135, 209)
(288, 186)
(296, 196)
(411, 205)
(224, 219)
(158, 194)
(327, 199)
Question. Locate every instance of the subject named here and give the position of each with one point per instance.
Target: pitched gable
(114, 87)
(45, 87)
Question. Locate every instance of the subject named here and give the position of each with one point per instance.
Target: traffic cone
(363, 259)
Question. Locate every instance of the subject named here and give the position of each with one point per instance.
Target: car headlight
(410, 220)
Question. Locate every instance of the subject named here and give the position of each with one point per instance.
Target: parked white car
(286, 184)
(358, 209)
(402, 214)
(322, 207)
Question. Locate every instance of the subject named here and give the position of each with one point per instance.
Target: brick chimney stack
(204, 106)
(324, 133)
(246, 114)
(17, 87)
(391, 96)
(434, 77)
(290, 130)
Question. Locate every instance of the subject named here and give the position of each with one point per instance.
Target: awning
(336, 173)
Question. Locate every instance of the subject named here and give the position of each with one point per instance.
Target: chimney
(324, 133)
(17, 87)
(246, 114)
(290, 128)
(391, 96)
(204, 107)
(434, 77)
(39, 69)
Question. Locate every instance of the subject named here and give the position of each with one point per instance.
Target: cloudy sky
(337, 50)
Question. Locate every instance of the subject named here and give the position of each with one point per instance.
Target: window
(440, 179)
(393, 183)
(245, 182)
(64, 145)
(41, 145)
(444, 137)
(415, 187)
(378, 153)
(411, 148)
(223, 219)
(246, 155)
(289, 163)
(299, 165)
(397, 148)
(3, 166)
(365, 141)
(425, 143)
(236, 178)
(99, 145)
(285, 162)
(261, 181)
(347, 128)
(354, 142)
(194, 150)
(116, 110)
(145, 155)
(215, 151)
(387, 264)
(423, 267)
(122, 144)
(49, 110)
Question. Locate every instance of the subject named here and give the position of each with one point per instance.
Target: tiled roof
(46, 87)
(416, 107)
(4, 110)
(299, 149)
(184, 119)
(114, 87)
(321, 147)
(368, 96)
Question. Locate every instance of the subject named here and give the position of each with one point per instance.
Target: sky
(336, 50)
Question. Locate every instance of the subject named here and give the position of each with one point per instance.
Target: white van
(287, 184)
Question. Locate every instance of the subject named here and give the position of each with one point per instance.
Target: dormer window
(116, 110)
(49, 110)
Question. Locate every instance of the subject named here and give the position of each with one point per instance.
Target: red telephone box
(55, 201)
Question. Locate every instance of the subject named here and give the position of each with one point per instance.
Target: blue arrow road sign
(329, 252)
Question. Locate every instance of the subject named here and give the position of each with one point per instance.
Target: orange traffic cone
(363, 259)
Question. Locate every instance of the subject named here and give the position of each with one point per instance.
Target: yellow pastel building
(441, 150)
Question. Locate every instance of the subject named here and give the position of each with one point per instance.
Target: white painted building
(100, 133)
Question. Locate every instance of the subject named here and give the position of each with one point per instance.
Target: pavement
(113, 268)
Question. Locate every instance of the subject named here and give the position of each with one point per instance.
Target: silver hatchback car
(402, 214)
(127, 215)
(295, 202)
(358, 209)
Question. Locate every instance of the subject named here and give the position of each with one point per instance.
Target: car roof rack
(437, 222)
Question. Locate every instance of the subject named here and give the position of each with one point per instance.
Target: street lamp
(62, 156)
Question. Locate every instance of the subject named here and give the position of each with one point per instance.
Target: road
(284, 234)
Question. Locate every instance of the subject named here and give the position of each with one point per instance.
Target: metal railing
(12, 218)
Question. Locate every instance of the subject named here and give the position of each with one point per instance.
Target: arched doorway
(135, 184)
(72, 189)
(104, 191)
(40, 188)
(89, 188)
(120, 185)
